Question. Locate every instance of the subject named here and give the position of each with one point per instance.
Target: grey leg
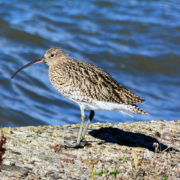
(91, 115)
(82, 125)
(77, 144)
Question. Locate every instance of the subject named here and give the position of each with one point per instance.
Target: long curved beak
(27, 65)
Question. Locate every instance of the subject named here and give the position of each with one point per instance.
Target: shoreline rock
(139, 150)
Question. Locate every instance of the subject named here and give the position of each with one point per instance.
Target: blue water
(137, 42)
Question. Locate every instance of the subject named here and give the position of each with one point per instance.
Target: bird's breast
(57, 79)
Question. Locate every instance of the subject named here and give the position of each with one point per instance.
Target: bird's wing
(95, 83)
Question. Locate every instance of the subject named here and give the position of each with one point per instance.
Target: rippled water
(137, 42)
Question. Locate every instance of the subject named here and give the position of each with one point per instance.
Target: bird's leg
(82, 125)
(77, 144)
(91, 115)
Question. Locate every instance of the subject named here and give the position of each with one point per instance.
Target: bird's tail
(133, 109)
(138, 110)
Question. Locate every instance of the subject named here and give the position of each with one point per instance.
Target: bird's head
(52, 56)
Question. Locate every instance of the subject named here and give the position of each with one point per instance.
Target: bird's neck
(58, 61)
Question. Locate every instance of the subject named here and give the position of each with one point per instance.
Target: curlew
(87, 85)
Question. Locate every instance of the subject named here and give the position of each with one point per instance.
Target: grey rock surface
(111, 151)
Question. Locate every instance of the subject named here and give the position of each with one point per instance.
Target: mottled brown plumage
(87, 85)
(69, 75)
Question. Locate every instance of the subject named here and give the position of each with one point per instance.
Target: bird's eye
(52, 55)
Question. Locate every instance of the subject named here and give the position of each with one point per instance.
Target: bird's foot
(72, 144)
(75, 144)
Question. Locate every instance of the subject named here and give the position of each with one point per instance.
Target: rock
(36, 152)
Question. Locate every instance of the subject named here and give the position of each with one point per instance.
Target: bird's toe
(71, 144)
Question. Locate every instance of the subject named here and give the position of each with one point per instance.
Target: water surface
(137, 42)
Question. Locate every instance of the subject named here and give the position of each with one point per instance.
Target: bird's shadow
(121, 137)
